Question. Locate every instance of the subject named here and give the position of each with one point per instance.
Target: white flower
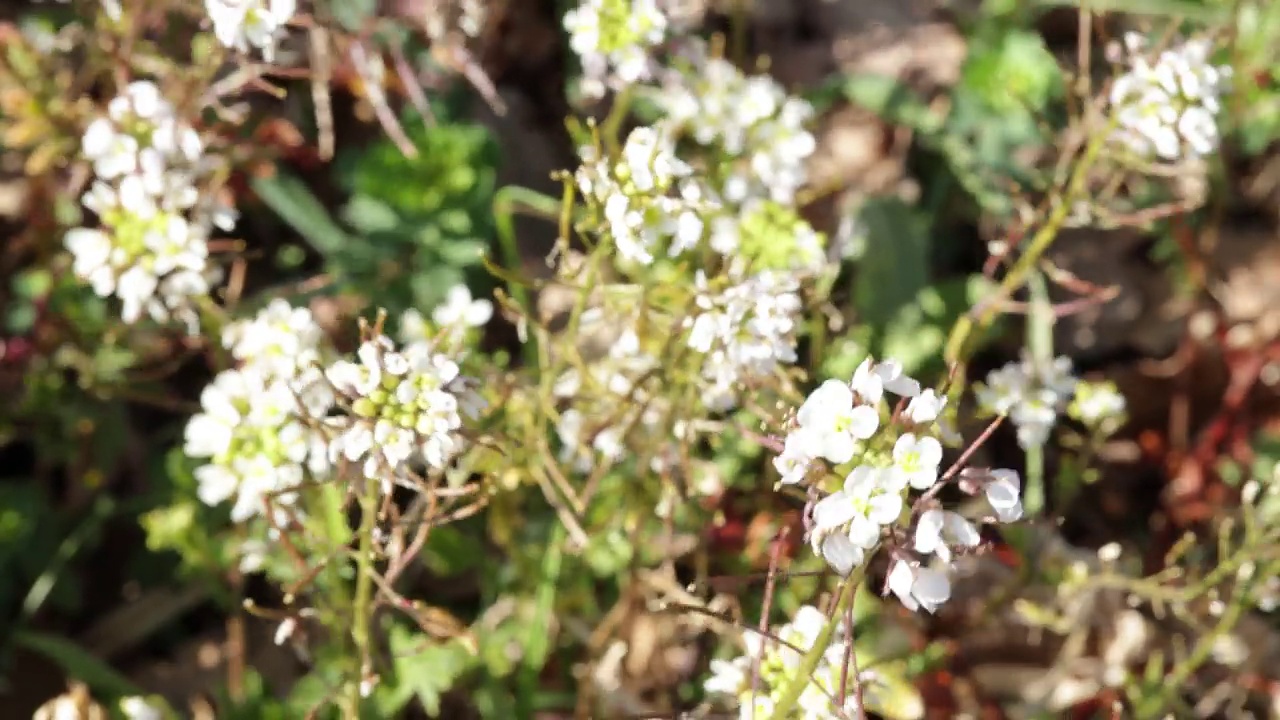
(728, 677)
(746, 332)
(793, 462)
(925, 408)
(895, 381)
(1030, 396)
(938, 531)
(613, 38)
(917, 459)
(460, 311)
(241, 24)
(406, 404)
(832, 424)
(252, 433)
(848, 523)
(281, 339)
(1167, 107)
(919, 587)
(748, 120)
(1003, 493)
(139, 708)
(1096, 403)
(152, 251)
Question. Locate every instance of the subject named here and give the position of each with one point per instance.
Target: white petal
(841, 554)
(833, 511)
(863, 422)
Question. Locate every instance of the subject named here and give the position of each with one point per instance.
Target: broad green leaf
(896, 264)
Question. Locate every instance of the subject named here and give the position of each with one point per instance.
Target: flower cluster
(841, 423)
(405, 405)
(639, 215)
(241, 24)
(746, 331)
(756, 132)
(1031, 396)
(778, 664)
(256, 427)
(1167, 106)
(613, 39)
(151, 251)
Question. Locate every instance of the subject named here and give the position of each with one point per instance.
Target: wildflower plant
(572, 452)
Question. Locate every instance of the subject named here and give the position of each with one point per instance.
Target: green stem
(506, 203)
(537, 644)
(1040, 343)
(363, 598)
(809, 663)
(957, 348)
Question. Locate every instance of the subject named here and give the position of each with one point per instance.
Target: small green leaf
(370, 215)
(290, 198)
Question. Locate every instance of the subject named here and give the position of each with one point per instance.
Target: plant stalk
(809, 663)
(363, 598)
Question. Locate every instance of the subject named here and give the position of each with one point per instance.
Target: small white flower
(461, 311)
(849, 522)
(793, 462)
(728, 677)
(1166, 106)
(833, 424)
(138, 708)
(405, 403)
(938, 531)
(241, 24)
(895, 381)
(919, 587)
(925, 408)
(917, 459)
(281, 339)
(1003, 494)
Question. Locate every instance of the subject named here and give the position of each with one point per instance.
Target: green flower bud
(364, 407)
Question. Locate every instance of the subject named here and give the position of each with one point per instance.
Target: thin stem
(809, 663)
(1040, 343)
(958, 343)
(363, 598)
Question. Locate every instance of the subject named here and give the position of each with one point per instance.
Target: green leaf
(77, 662)
(370, 215)
(918, 331)
(424, 670)
(896, 264)
(1015, 73)
(891, 101)
(1182, 9)
(290, 198)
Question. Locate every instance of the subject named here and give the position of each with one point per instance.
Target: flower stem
(809, 663)
(958, 345)
(363, 597)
